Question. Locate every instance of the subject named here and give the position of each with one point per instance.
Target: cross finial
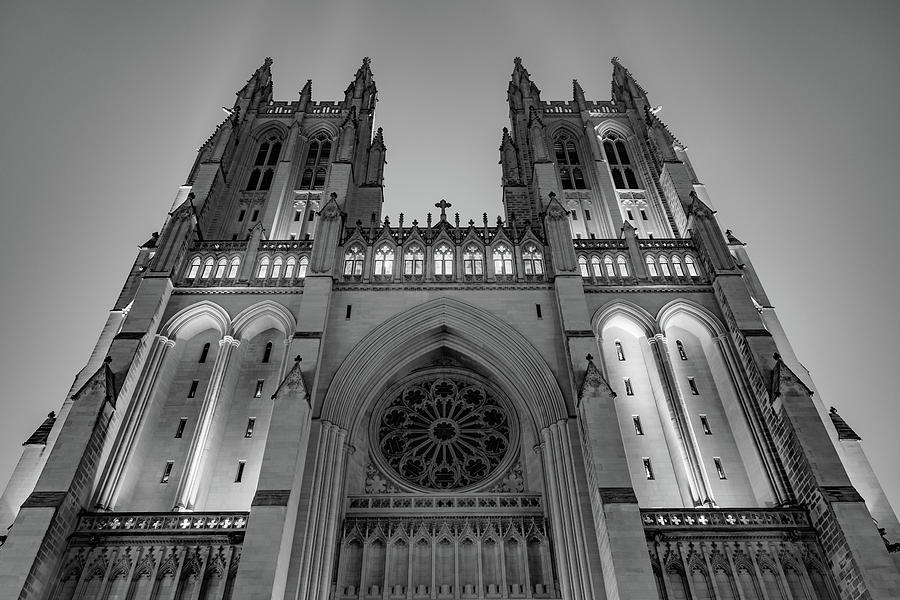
(297, 358)
(443, 205)
(589, 357)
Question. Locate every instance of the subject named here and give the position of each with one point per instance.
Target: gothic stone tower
(591, 398)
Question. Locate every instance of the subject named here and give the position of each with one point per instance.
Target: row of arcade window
(214, 270)
(473, 261)
(571, 173)
(281, 269)
(609, 268)
(315, 167)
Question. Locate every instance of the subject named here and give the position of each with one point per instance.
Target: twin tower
(296, 398)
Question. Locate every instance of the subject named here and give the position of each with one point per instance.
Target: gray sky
(787, 109)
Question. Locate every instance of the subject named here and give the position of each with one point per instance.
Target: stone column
(193, 467)
(320, 512)
(133, 421)
(565, 513)
(680, 423)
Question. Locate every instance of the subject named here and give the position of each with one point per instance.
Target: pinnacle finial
(589, 357)
(107, 360)
(776, 356)
(297, 358)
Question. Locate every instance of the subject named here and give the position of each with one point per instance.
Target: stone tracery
(443, 431)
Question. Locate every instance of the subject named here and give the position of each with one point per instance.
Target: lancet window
(206, 273)
(194, 268)
(533, 260)
(264, 165)
(384, 261)
(571, 173)
(414, 261)
(691, 267)
(315, 167)
(234, 267)
(221, 265)
(473, 260)
(623, 266)
(443, 260)
(502, 260)
(303, 266)
(353, 262)
(619, 161)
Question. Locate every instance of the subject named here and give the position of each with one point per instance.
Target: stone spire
(258, 89)
(509, 160)
(578, 95)
(306, 95)
(40, 435)
(844, 431)
(377, 153)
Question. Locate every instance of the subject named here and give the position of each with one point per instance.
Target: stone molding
(617, 495)
(270, 498)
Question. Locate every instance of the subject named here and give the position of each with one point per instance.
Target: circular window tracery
(443, 431)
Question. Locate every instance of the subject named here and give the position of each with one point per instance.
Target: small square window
(574, 215)
(167, 471)
(240, 471)
(312, 216)
(629, 390)
(638, 428)
(704, 422)
(648, 468)
(293, 236)
(630, 215)
(259, 387)
(251, 423)
(180, 430)
(193, 391)
(644, 215)
(720, 470)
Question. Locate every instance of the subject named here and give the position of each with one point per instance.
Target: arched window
(234, 267)
(443, 260)
(194, 268)
(595, 266)
(651, 267)
(315, 167)
(289, 267)
(204, 353)
(264, 165)
(263, 268)
(276, 267)
(304, 265)
(267, 353)
(664, 266)
(221, 265)
(568, 162)
(414, 261)
(353, 262)
(207, 269)
(583, 266)
(533, 260)
(676, 266)
(608, 266)
(502, 260)
(473, 260)
(384, 261)
(681, 353)
(620, 354)
(619, 162)
(623, 266)
(691, 267)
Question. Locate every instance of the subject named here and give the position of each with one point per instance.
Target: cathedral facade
(296, 397)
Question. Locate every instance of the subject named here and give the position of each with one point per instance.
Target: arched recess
(260, 317)
(195, 318)
(266, 129)
(627, 337)
(721, 414)
(517, 366)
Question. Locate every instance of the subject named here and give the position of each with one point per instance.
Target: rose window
(443, 432)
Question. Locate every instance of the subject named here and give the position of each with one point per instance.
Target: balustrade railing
(464, 505)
